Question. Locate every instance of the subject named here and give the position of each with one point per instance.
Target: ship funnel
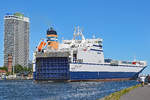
(52, 39)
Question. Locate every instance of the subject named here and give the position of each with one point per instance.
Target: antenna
(74, 34)
(75, 30)
(134, 58)
(81, 33)
(78, 31)
(50, 26)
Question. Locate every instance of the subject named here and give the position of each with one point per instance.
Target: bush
(4, 68)
(21, 69)
(18, 69)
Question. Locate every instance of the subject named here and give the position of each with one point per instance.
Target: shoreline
(95, 80)
(117, 95)
(90, 80)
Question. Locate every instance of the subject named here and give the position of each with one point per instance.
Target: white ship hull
(87, 71)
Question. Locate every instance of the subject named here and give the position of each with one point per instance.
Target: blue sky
(124, 25)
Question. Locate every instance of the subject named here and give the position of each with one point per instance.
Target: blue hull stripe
(96, 50)
(97, 45)
(101, 75)
(96, 75)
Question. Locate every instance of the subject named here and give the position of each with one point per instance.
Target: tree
(21, 69)
(18, 68)
(4, 68)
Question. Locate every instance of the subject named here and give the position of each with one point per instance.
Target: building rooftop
(17, 16)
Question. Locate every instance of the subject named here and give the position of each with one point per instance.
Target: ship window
(126, 62)
(108, 60)
(141, 63)
(99, 42)
(80, 60)
(74, 57)
(129, 62)
(49, 43)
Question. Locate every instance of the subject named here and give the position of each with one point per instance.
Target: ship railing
(108, 64)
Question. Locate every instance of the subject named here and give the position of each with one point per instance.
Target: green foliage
(18, 69)
(9, 73)
(4, 68)
(117, 95)
(21, 69)
(29, 70)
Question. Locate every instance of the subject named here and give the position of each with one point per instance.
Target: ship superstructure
(79, 59)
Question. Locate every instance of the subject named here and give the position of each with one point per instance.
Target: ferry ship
(79, 59)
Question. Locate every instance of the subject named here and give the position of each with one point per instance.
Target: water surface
(28, 90)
